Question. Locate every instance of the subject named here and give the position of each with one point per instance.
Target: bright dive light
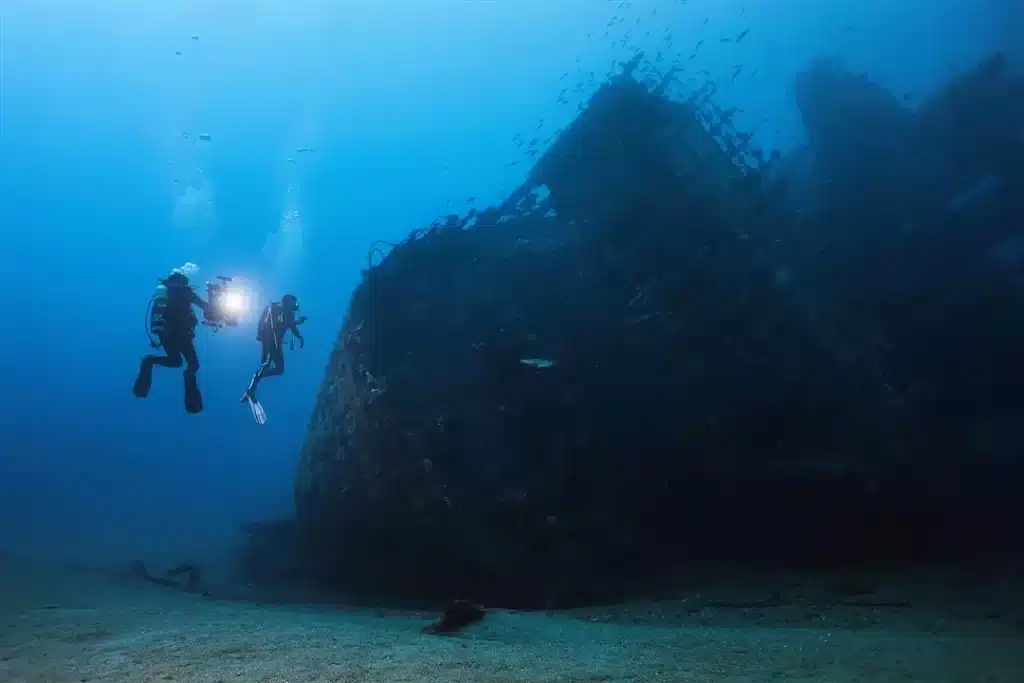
(234, 304)
(227, 302)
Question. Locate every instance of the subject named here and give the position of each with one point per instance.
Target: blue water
(410, 108)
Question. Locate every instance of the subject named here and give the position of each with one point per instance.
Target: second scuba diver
(276, 320)
(173, 323)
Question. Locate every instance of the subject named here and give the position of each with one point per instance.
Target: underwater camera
(227, 303)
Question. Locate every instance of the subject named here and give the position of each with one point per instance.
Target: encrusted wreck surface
(632, 364)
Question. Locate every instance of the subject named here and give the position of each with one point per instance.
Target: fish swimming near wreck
(539, 363)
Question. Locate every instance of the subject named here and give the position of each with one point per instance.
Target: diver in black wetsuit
(173, 323)
(276, 320)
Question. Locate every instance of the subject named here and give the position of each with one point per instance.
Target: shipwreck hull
(565, 401)
(655, 355)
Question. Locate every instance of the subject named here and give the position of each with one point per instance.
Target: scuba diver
(276, 320)
(173, 323)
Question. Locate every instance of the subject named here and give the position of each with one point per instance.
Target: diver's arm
(197, 300)
(292, 325)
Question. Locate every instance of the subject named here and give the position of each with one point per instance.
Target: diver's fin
(257, 410)
(193, 397)
(144, 381)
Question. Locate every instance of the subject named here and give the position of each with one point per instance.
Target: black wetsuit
(177, 337)
(275, 321)
(179, 333)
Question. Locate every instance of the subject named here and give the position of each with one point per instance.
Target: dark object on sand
(170, 578)
(456, 617)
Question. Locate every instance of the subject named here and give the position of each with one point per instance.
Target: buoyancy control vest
(156, 319)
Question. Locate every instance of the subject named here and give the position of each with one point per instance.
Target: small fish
(539, 363)
(204, 136)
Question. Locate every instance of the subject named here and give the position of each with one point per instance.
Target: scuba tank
(156, 321)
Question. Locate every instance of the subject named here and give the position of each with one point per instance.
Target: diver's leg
(173, 350)
(266, 351)
(188, 352)
(250, 393)
(144, 380)
(275, 363)
(193, 397)
(170, 359)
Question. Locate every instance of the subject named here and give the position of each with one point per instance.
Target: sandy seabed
(59, 626)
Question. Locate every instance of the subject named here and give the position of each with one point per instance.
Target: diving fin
(144, 381)
(257, 410)
(193, 397)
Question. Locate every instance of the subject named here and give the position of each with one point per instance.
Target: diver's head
(289, 302)
(177, 279)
